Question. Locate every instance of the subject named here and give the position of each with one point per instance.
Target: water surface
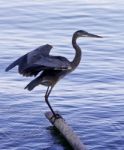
(91, 99)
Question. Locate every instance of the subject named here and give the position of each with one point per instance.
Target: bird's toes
(55, 117)
(58, 116)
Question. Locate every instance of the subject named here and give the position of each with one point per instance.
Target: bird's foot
(55, 117)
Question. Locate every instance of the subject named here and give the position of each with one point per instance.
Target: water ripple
(91, 98)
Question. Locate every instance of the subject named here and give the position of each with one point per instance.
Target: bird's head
(81, 33)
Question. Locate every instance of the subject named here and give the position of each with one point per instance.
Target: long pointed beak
(93, 35)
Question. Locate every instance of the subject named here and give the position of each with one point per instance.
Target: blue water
(91, 99)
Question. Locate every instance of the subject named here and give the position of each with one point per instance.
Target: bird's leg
(46, 99)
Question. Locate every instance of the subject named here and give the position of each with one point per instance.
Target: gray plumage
(51, 68)
(37, 60)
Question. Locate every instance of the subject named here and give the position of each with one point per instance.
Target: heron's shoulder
(48, 45)
(45, 46)
(41, 50)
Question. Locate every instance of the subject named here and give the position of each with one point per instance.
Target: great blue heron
(51, 68)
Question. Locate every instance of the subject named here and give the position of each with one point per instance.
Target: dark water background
(91, 99)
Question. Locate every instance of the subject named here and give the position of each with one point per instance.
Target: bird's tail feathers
(33, 84)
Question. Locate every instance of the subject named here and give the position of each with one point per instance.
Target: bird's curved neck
(77, 57)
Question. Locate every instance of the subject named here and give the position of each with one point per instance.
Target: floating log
(66, 131)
